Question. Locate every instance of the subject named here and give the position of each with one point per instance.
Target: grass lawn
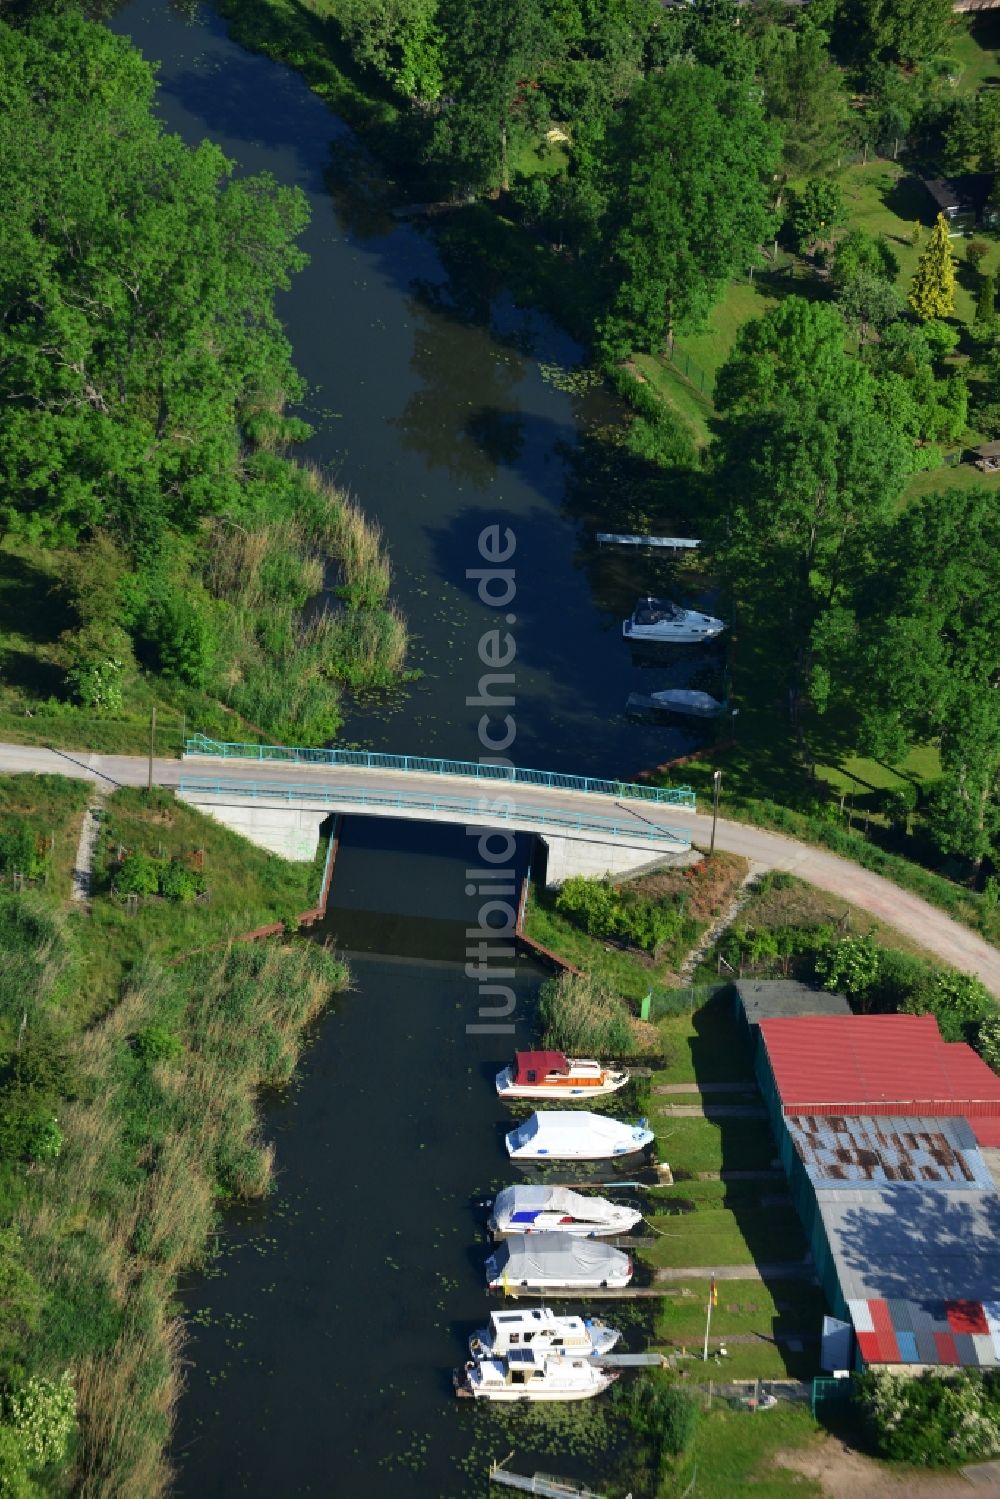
(247, 888)
(734, 1452)
(704, 1046)
(695, 1145)
(974, 45)
(684, 398)
(717, 1235)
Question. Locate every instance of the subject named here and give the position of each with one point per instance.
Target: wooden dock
(538, 1483)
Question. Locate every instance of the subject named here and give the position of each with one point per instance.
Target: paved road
(936, 932)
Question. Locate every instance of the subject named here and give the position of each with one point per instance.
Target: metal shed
(755, 1000)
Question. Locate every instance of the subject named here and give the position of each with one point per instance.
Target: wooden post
(152, 747)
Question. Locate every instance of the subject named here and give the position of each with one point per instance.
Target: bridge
(278, 797)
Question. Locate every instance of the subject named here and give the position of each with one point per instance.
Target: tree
(973, 136)
(816, 210)
(862, 254)
(908, 31)
(804, 95)
(932, 290)
(809, 460)
(930, 631)
(137, 280)
(986, 303)
(497, 48)
(869, 302)
(686, 170)
(400, 39)
(976, 252)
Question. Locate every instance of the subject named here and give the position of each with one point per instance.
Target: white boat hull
(571, 1383)
(511, 1393)
(586, 1153)
(509, 1089)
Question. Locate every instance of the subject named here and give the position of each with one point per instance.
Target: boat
(676, 700)
(544, 1262)
(532, 1210)
(550, 1074)
(542, 1328)
(660, 620)
(527, 1375)
(567, 1135)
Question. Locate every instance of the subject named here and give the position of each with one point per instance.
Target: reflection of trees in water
(462, 417)
(360, 190)
(610, 488)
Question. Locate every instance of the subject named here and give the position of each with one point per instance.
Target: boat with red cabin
(550, 1074)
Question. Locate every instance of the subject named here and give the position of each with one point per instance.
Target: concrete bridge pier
(571, 856)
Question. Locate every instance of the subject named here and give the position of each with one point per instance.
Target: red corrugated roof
(875, 1064)
(986, 1129)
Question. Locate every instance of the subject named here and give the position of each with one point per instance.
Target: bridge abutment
(291, 832)
(573, 856)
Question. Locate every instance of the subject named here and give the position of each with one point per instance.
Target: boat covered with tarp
(531, 1210)
(570, 1135)
(540, 1262)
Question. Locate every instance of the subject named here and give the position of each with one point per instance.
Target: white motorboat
(532, 1210)
(527, 1375)
(544, 1262)
(659, 620)
(550, 1074)
(565, 1135)
(540, 1328)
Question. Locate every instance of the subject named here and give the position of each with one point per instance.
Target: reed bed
(164, 1127)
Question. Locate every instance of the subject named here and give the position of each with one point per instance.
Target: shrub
(178, 882)
(43, 1414)
(98, 657)
(959, 1001)
(976, 251)
(900, 975)
(851, 965)
(19, 851)
(139, 875)
(934, 1420)
(157, 1043)
(177, 638)
(579, 1015)
(604, 909)
(988, 1041)
(663, 1420)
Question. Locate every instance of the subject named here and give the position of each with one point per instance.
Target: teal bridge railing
(280, 754)
(465, 808)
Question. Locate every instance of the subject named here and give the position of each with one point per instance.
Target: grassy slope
(247, 888)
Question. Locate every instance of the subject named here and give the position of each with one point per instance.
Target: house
(964, 200)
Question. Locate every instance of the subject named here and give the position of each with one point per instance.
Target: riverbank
(121, 1139)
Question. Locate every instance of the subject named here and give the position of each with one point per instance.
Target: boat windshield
(656, 611)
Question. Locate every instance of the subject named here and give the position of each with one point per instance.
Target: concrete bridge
(279, 797)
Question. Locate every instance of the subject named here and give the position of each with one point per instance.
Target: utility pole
(152, 747)
(716, 783)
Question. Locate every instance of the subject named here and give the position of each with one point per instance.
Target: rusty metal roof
(873, 1151)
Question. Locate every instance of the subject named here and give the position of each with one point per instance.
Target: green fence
(827, 1391)
(664, 1002)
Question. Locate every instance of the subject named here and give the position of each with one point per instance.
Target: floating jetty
(668, 543)
(539, 1483)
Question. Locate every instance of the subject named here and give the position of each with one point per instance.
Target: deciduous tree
(686, 170)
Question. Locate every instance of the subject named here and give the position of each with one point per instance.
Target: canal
(321, 1344)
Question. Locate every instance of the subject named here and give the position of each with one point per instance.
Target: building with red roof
(879, 1123)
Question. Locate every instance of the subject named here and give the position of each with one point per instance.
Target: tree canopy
(137, 279)
(686, 169)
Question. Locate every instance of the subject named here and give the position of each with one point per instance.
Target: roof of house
(765, 999)
(876, 1064)
(872, 1152)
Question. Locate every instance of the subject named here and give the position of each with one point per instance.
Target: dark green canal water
(322, 1344)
